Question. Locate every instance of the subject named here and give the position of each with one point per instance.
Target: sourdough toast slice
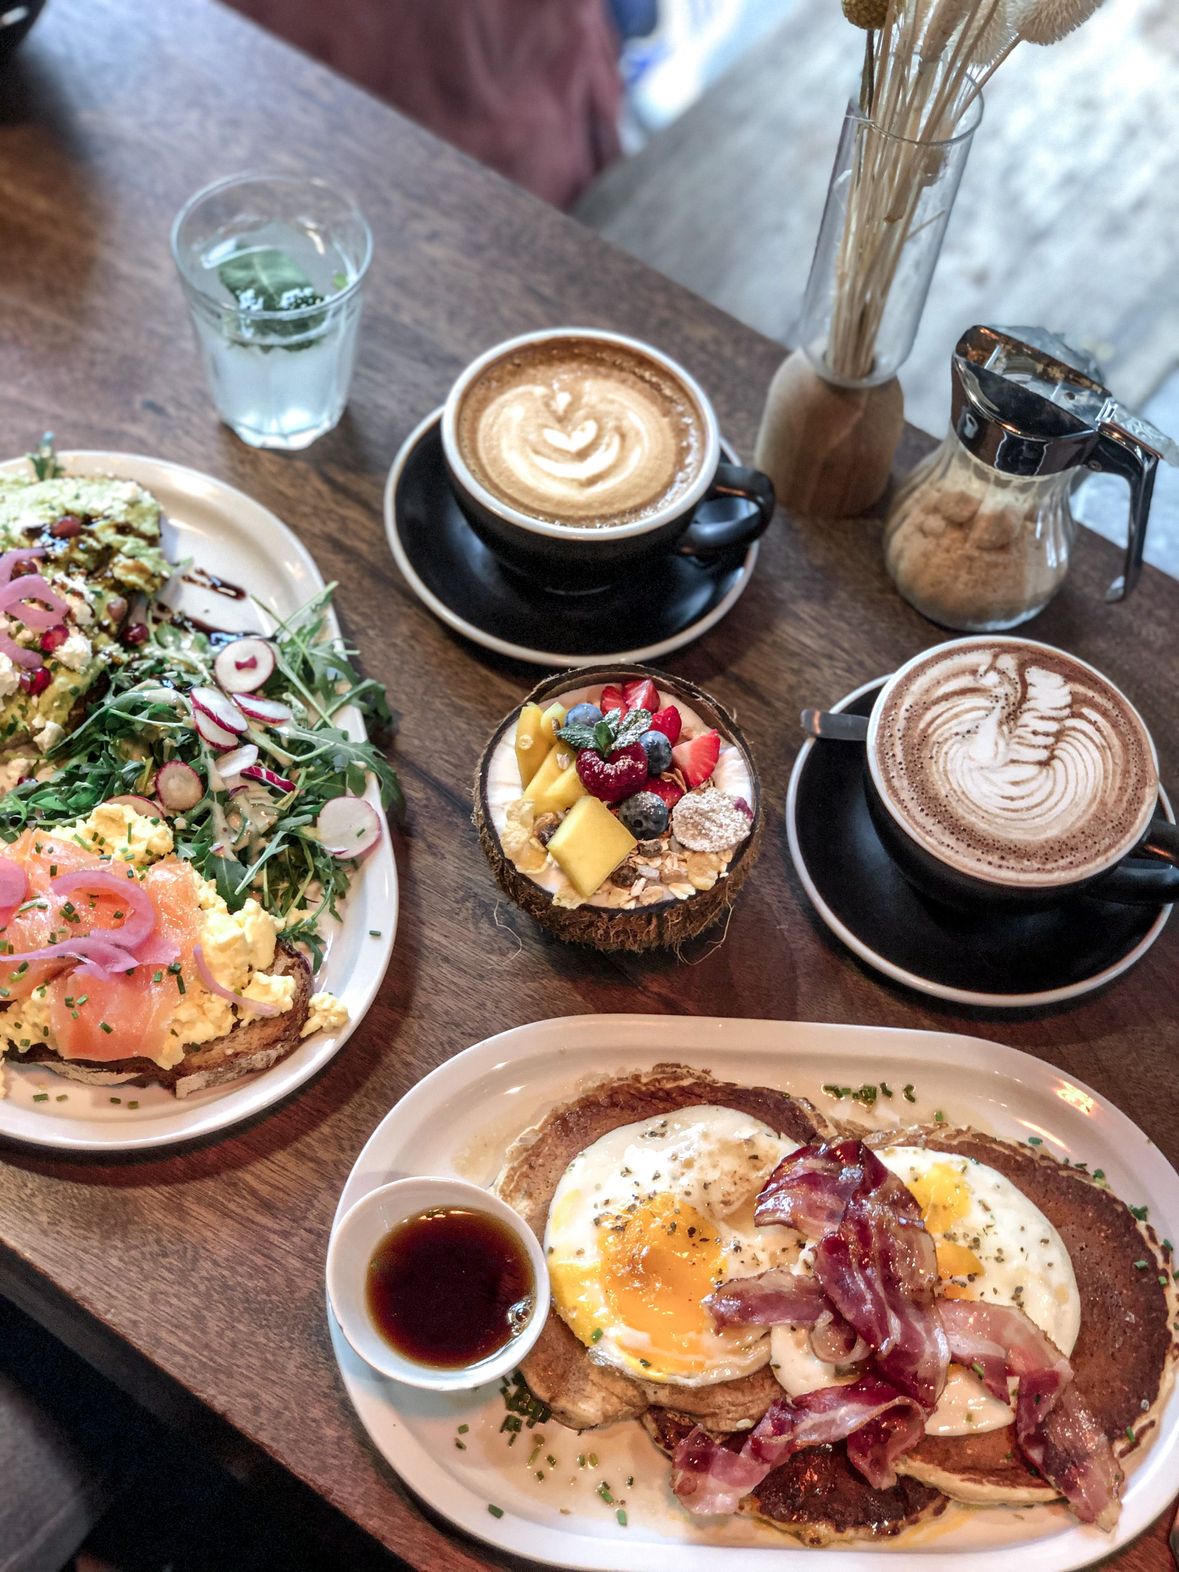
(254, 1045)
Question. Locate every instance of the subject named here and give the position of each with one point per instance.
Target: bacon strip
(875, 1260)
(1056, 1430)
(880, 1422)
(778, 1297)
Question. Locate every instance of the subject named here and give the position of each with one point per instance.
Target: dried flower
(868, 14)
(1047, 21)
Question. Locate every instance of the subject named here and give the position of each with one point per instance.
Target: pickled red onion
(141, 919)
(18, 654)
(9, 560)
(211, 983)
(19, 596)
(14, 882)
(97, 955)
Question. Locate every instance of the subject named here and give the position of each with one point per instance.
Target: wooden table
(199, 1272)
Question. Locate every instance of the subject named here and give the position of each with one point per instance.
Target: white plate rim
(707, 1042)
(523, 652)
(925, 985)
(247, 1098)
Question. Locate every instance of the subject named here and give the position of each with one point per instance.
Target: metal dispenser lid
(1023, 410)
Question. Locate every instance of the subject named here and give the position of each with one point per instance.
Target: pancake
(817, 1496)
(1126, 1353)
(559, 1370)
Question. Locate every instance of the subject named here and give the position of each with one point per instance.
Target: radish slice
(348, 826)
(244, 665)
(268, 711)
(259, 772)
(211, 983)
(179, 786)
(142, 805)
(230, 764)
(217, 707)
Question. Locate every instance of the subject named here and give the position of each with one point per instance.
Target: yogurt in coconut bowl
(619, 807)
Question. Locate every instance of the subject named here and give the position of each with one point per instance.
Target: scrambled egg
(238, 947)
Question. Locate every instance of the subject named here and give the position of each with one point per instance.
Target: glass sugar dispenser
(980, 536)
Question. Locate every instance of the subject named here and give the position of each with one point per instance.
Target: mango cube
(562, 794)
(590, 844)
(531, 745)
(553, 717)
(556, 761)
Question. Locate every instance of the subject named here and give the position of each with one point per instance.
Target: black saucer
(1003, 961)
(452, 571)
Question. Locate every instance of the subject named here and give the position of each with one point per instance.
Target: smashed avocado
(101, 542)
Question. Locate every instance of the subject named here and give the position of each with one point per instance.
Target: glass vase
(888, 204)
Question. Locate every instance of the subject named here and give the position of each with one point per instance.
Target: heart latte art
(1014, 763)
(578, 432)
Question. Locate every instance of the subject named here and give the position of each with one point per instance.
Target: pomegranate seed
(54, 638)
(135, 633)
(66, 526)
(35, 682)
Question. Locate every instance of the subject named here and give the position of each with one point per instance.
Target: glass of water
(272, 268)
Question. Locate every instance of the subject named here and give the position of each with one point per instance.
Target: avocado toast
(81, 549)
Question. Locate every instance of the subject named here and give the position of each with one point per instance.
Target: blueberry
(658, 751)
(583, 715)
(645, 815)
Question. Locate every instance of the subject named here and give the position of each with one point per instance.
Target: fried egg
(645, 1223)
(993, 1243)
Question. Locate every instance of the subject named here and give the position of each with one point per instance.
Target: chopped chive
(596, 1335)
(133, 1104)
(605, 1493)
(494, 1510)
(374, 933)
(104, 1026)
(908, 1090)
(157, 977)
(1035, 1140)
(462, 1429)
(1140, 1266)
(938, 1116)
(40, 1097)
(62, 1097)
(116, 1099)
(1139, 1212)
(621, 1516)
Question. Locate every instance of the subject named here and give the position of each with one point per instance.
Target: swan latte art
(1013, 763)
(581, 432)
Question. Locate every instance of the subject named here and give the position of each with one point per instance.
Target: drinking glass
(272, 268)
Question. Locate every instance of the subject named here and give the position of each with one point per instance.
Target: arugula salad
(237, 742)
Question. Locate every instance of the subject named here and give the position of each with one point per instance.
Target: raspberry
(616, 777)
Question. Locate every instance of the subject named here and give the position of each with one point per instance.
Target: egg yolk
(656, 1268)
(944, 1199)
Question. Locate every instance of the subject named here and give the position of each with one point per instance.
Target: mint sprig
(613, 731)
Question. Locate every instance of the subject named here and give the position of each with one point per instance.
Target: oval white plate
(461, 1118)
(230, 535)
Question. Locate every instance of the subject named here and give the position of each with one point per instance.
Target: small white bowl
(350, 1250)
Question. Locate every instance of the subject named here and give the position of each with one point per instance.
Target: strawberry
(620, 775)
(696, 759)
(641, 694)
(669, 722)
(666, 787)
(612, 699)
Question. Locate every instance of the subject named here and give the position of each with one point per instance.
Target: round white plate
(461, 1119)
(230, 535)
(535, 657)
(930, 986)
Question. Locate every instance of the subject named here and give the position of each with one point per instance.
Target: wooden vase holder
(828, 449)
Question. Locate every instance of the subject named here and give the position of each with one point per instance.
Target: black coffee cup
(724, 510)
(1143, 869)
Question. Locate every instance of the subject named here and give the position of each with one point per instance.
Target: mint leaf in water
(267, 279)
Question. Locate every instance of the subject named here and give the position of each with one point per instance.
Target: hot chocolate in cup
(577, 455)
(1006, 772)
